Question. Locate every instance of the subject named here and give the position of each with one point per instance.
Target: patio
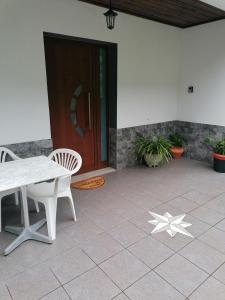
(85, 87)
(110, 252)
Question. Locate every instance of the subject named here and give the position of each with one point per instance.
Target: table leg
(29, 232)
(25, 207)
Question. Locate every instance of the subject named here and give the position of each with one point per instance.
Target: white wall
(217, 3)
(148, 61)
(203, 66)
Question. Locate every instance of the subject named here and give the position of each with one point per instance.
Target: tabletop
(22, 172)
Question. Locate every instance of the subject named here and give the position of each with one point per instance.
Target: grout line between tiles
(9, 291)
(66, 292)
(198, 286)
(61, 285)
(168, 282)
(98, 266)
(120, 295)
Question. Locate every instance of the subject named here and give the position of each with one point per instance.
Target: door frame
(112, 62)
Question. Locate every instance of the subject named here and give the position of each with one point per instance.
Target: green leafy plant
(157, 145)
(216, 146)
(177, 140)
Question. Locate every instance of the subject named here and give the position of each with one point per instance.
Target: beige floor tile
(204, 256)
(32, 253)
(93, 285)
(101, 247)
(124, 269)
(217, 204)
(127, 234)
(121, 297)
(70, 264)
(197, 196)
(153, 287)
(207, 215)
(141, 221)
(166, 207)
(214, 238)
(174, 243)
(182, 274)
(82, 230)
(183, 204)
(220, 274)
(107, 221)
(9, 268)
(198, 227)
(145, 201)
(127, 209)
(4, 294)
(32, 284)
(58, 294)
(221, 225)
(209, 290)
(150, 251)
(164, 195)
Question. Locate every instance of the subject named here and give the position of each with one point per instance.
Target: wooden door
(73, 90)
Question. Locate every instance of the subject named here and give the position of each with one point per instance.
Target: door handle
(89, 110)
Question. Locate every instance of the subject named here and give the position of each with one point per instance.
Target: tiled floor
(110, 252)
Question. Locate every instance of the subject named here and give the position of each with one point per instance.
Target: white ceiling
(216, 3)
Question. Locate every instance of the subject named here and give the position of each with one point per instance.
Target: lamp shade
(110, 18)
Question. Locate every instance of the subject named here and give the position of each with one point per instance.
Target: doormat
(89, 184)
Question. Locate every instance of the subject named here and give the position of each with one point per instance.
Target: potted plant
(154, 150)
(178, 142)
(218, 148)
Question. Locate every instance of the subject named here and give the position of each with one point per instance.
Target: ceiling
(179, 13)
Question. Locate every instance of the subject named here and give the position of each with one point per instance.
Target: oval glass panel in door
(73, 112)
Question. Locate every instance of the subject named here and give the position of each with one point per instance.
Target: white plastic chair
(48, 192)
(5, 155)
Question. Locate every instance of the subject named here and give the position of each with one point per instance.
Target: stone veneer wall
(24, 150)
(113, 148)
(127, 136)
(121, 141)
(29, 149)
(195, 133)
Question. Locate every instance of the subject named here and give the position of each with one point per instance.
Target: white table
(19, 174)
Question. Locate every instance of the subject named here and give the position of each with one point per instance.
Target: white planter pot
(153, 160)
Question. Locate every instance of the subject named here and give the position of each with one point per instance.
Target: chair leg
(50, 209)
(17, 198)
(36, 206)
(70, 197)
(21, 213)
(0, 214)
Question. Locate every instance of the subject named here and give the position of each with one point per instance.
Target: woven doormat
(89, 184)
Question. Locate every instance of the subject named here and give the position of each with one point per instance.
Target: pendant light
(110, 17)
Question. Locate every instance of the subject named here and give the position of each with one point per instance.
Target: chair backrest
(6, 154)
(69, 159)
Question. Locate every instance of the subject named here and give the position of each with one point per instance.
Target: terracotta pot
(177, 151)
(219, 162)
(219, 156)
